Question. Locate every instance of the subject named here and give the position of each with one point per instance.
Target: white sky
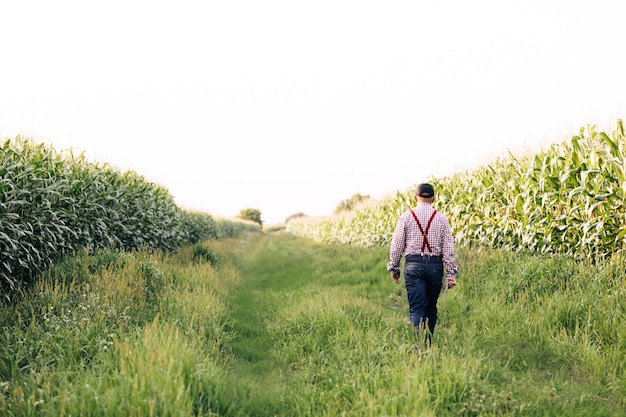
(293, 106)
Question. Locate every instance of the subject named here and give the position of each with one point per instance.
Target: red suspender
(425, 232)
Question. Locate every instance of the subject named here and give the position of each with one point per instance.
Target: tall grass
(275, 325)
(498, 352)
(117, 333)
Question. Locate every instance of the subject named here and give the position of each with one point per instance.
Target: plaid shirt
(408, 239)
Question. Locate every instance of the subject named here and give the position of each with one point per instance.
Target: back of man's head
(425, 190)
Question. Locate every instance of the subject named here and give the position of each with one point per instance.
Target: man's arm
(449, 260)
(396, 250)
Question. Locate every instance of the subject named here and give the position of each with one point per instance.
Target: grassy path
(297, 307)
(320, 331)
(294, 328)
(271, 269)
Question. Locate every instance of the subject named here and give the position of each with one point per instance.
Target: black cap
(425, 190)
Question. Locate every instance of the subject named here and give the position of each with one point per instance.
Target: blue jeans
(423, 277)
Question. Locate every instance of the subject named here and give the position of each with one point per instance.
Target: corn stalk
(566, 199)
(52, 204)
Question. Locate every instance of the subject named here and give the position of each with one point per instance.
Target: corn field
(53, 204)
(567, 199)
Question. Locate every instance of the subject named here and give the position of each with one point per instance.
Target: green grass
(274, 325)
(323, 329)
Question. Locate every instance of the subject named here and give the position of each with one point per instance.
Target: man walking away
(423, 235)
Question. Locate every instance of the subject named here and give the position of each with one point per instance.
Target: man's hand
(395, 276)
(450, 282)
